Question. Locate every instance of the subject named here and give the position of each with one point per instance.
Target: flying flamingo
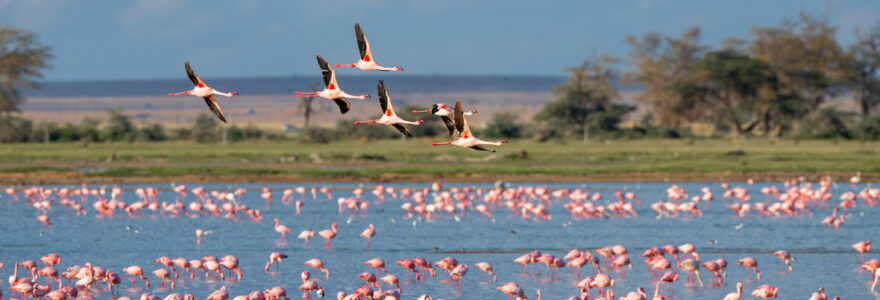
(306, 235)
(368, 233)
(273, 258)
(445, 113)
(332, 90)
(328, 234)
(204, 91)
(467, 140)
(366, 62)
(389, 117)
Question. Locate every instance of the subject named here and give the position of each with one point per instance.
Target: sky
(150, 39)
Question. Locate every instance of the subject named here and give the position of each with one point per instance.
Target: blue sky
(147, 39)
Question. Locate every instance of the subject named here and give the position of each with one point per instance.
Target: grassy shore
(415, 160)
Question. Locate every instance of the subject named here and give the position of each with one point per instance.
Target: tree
(585, 101)
(805, 56)
(740, 86)
(205, 128)
(664, 66)
(119, 127)
(21, 61)
(864, 70)
(503, 125)
(305, 105)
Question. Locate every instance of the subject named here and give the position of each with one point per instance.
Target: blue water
(823, 256)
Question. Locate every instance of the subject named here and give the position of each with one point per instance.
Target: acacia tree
(22, 59)
(664, 65)
(864, 70)
(585, 101)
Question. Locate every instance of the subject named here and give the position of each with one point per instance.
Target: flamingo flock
(459, 131)
(607, 267)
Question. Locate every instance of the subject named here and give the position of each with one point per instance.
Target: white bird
(367, 61)
(445, 112)
(389, 117)
(466, 139)
(204, 91)
(331, 88)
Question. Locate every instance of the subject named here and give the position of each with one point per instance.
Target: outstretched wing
(328, 72)
(384, 99)
(458, 115)
(363, 44)
(343, 104)
(449, 125)
(403, 129)
(215, 108)
(478, 147)
(192, 75)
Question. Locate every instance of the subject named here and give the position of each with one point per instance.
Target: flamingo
(220, 294)
(750, 263)
(306, 235)
(785, 257)
(389, 117)
(377, 263)
(283, 230)
(318, 264)
(332, 90)
(765, 291)
(367, 61)
(466, 139)
(328, 234)
(445, 112)
(273, 258)
(487, 268)
(512, 289)
(862, 247)
(368, 234)
(204, 91)
(737, 295)
(135, 271)
(819, 295)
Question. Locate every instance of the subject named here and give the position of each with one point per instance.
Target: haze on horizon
(150, 39)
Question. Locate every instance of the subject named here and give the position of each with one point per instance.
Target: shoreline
(77, 177)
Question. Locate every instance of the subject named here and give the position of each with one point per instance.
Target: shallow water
(823, 256)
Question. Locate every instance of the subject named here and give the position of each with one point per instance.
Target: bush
(14, 129)
(119, 127)
(205, 129)
(153, 132)
(870, 127)
(317, 135)
(87, 130)
(503, 125)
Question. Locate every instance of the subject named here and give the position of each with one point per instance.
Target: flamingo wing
(363, 44)
(215, 108)
(402, 129)
(343, 104)
(328, 72)
(384, 99)
(478, 147)
(192, 75)
(461, 123)
(450, 125)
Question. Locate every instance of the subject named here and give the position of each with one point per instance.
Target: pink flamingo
(445, 112)
(785, 257)
(377, 263)
(862, 247)
(512, 289)
(737, 295)
(273, 258)
(318, 264)
(389, 117)
(199, 234)
(669, 277)
(332, 90)
(487, 268)
(283, 230)
(204, 91)
(306, 235)
(765, 291)
(328, 234)
(750, 263)
(366, 62)
(135, 271)
(467, 139)
(368, 233)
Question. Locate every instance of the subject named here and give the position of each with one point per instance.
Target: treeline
(779, 82)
